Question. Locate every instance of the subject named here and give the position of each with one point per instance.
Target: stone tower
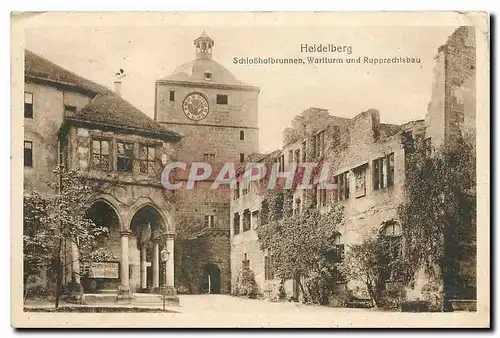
(217, 116)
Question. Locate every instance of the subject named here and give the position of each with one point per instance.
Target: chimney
(118, 87)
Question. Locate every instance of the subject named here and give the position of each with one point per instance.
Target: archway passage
(149, 228)
(210, 279)
(99, 276)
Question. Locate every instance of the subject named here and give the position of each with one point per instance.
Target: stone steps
(141, 299)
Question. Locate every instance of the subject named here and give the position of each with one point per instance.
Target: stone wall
(452, 107)
(42, 129)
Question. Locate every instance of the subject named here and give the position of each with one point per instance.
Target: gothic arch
(147, 202)
(111, 202)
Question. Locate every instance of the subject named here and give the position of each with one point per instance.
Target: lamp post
(165, 255)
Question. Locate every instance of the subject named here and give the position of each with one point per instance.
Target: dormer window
(208, 75)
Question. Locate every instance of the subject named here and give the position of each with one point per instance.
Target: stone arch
(147, 202)
(113, 203)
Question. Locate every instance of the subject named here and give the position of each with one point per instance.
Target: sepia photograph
(250, 170)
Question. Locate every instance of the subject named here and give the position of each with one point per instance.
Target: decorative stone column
(144, 269)
(124, 288)
(156, 265)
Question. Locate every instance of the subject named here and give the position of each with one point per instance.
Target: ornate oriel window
(100, 154)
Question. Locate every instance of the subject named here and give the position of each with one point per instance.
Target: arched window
(392, 249)
(242, 135)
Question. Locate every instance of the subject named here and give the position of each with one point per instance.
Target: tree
(362, 263)
(438, 213)
(52, 220)
(299, 243)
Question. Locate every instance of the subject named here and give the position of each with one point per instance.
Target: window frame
(222, 99)
(209, 221)
(171, 95)
(30, 152)
(100, 154)
(236, 224)
(131, 158)
(30, 105)
(242, 135)
(209, 158)
(392, 245)
(150, 163)
(247, 220)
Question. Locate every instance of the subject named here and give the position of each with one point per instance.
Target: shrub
(246, 285)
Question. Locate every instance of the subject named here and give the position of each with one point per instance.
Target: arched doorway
(149, 269)
(100, 276)
(210, 279)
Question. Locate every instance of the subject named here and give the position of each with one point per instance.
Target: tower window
(221, 99)
(172, 96)
(242, 135)
(28, 105)
(242, 157)
(28, 154)
(208, 75)
(209, 221)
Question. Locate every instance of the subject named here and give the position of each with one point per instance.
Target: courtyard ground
(228, 311)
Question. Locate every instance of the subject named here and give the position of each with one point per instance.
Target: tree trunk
(304, 298)
(372, 294)
(58, 268)
(58, 278)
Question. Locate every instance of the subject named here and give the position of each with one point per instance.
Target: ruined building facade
(367, 161)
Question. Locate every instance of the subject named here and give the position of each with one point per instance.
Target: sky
(400, 92)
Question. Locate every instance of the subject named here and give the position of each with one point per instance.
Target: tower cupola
(204, 45)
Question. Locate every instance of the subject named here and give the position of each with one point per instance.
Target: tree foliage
(439, 209)
(365, 263)
(300, 243)
(52, 220)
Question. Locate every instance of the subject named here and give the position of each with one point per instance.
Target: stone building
(367, 163)
(217, 116)
(73, 121)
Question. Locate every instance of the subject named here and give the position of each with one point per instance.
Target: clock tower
(217, 117)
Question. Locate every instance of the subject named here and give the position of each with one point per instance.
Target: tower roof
(204, 70)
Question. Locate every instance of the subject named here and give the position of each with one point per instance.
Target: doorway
(210, 279)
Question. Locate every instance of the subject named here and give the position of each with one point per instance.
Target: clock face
(195, 106)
